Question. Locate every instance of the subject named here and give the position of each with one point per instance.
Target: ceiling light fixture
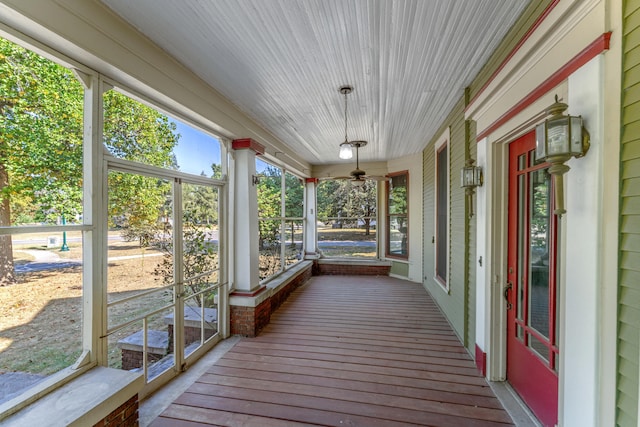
(346, 148)
(358, 174)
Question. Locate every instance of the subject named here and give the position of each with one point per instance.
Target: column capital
(311, 180)
(247, 144)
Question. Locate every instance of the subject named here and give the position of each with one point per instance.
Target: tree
(363, 203)
(293, 201)
(40, 143)
(202, 202)
(332, 199)
(41, 136)
(340, 199)
(269, 206)
(136, 132)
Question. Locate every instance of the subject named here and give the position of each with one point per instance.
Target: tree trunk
(7, 272)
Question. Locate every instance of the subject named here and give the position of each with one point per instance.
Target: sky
(196, 150)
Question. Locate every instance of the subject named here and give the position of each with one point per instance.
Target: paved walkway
(51, 260)
(13, 383)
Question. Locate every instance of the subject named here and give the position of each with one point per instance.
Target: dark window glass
(397, 216)
(441, 214)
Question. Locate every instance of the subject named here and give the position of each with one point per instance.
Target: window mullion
(94, 257)
(283, 212)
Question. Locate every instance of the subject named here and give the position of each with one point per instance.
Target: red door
(532, 334)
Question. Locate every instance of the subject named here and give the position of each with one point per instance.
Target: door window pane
(539, 245)
(520, 283)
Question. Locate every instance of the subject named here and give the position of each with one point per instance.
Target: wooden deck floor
(344, 351)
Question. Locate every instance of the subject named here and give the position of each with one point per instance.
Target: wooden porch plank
(337, 341)
(461, 355)
(343, 404)
(433, 383)
(444, 350)
(440, 364)
(346, 330)
(182, 421)
(363, 397)
(443, 394)
(370, 329)
(383, 346)
(361, 351)
(203, 416)
(373, 365)
(284, 412)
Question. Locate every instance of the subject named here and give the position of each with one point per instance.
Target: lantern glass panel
(466, 177)
(558, 136)
(576, 136)
(477, 176)
(541, 146)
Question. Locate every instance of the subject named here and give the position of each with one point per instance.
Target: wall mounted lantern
(558, 139)
(470, 178)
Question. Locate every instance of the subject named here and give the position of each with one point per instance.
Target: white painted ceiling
(283, 61)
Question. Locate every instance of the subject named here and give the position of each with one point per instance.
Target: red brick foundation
(295, 283)
(132, 359)
(191, 335)
(125, 416)
(249, 321)
(349, 269)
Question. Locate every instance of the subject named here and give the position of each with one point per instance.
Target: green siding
(455, 304)
(400, 269)
(629, 261)
(460, 303)
(471, 255)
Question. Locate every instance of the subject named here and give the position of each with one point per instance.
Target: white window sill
(85, 400)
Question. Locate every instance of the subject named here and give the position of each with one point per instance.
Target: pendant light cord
(345, 116)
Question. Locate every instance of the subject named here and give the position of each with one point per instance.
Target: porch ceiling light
(470, 178)
(346, 148)
(559, 138)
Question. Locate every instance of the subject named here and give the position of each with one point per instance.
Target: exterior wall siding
(629, 261)
(453, 304)
(470, 234)
(459, 305)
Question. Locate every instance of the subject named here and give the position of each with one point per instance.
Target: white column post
(310, 227)
(245, 229)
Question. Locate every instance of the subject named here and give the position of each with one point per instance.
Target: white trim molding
(444, 139)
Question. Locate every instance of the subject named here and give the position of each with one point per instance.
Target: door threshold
(514, 405)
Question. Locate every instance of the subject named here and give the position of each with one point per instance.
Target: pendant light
(346, 149)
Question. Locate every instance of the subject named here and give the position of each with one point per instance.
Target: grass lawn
(41, 314)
